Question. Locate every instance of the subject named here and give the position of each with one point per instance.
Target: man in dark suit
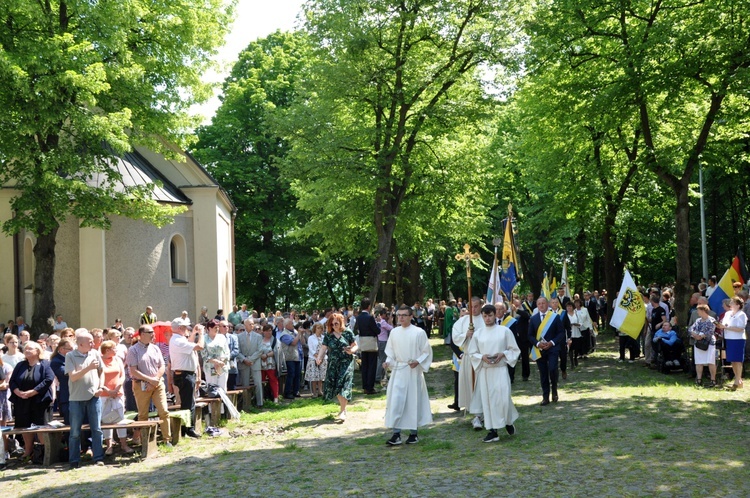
(504, 317)
(523, 317)
(367, 327)
(547, 338)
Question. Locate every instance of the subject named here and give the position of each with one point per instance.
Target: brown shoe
(565, 375)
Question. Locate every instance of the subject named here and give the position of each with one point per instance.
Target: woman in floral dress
(340, 346)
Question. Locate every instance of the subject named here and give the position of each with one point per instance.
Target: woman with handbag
(586, 327)
(704, 351)
(268, 361)
(113, 397)
(216, 356)
(315, 373)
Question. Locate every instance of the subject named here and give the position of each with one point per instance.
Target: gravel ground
(618, 430)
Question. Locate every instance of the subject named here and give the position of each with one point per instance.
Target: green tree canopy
(80, 82)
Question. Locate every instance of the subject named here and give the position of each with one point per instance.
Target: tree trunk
(379, 266)
(443, 266)
(612, 267)
(596, 269)
(415, 282)
(331, 294)
(580, 260)
(44, 283)
(682, 285)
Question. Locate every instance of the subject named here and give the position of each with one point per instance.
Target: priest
(408, 356)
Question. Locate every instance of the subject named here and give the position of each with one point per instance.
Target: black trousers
(548, 366)
(525, 360)
(185, 382)
(369, 369)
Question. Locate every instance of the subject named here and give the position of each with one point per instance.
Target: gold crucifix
(467, 256)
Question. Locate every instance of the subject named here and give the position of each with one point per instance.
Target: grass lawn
(619, 430)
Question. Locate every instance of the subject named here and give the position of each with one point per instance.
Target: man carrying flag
(724, 289)
(628, 312)
(546, 334)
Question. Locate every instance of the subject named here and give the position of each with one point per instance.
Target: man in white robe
(492, 349)
(408, 356)
(461, 337)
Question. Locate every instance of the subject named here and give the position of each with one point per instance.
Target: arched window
(178, 259)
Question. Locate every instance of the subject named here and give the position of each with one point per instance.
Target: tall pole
(467, 256)
(495, 272)
(704, 243)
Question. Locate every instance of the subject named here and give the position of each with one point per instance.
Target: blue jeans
(92, 408)
(293, 369)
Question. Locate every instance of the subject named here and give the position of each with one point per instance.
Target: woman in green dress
(340, 346)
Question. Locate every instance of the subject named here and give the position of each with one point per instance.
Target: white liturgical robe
(407, 403)
(465, 370)
(492, 388)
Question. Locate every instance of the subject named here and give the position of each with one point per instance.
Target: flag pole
(467, 256)
(496, 271)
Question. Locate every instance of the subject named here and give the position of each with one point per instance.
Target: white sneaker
(477, 423)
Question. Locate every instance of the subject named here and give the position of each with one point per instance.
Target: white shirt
(182, 354)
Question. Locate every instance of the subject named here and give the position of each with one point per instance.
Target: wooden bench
(214, 405)
(248, 395)
(51, 437)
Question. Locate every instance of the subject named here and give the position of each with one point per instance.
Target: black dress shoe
(191, 433)
(544, 402)
(454, 407)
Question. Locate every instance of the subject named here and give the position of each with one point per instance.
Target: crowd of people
(96, 376)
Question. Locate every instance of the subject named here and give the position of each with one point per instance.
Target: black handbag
(703, 344)
(209, 390)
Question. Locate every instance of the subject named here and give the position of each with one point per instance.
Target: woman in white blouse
(584, 325)
(733, 325)
(315, 374)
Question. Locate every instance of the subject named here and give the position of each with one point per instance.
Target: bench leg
(148, 441)
(247, 399)
(216, 412)
(52, 442)
(175, 424)
(198, 419)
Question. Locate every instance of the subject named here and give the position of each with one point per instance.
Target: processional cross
(467, 256)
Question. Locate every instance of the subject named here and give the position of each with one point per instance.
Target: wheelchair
(670, 359)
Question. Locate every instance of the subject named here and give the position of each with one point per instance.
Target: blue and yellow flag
(724, 289)
(510, 268)
(545, 288)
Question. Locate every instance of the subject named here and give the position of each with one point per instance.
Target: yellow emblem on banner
(631, 301)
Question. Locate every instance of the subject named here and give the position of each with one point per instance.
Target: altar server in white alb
(408, 356)
(461, 336)
(492, 350)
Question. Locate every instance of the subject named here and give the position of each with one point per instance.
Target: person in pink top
(113, 397)
(385, 326)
